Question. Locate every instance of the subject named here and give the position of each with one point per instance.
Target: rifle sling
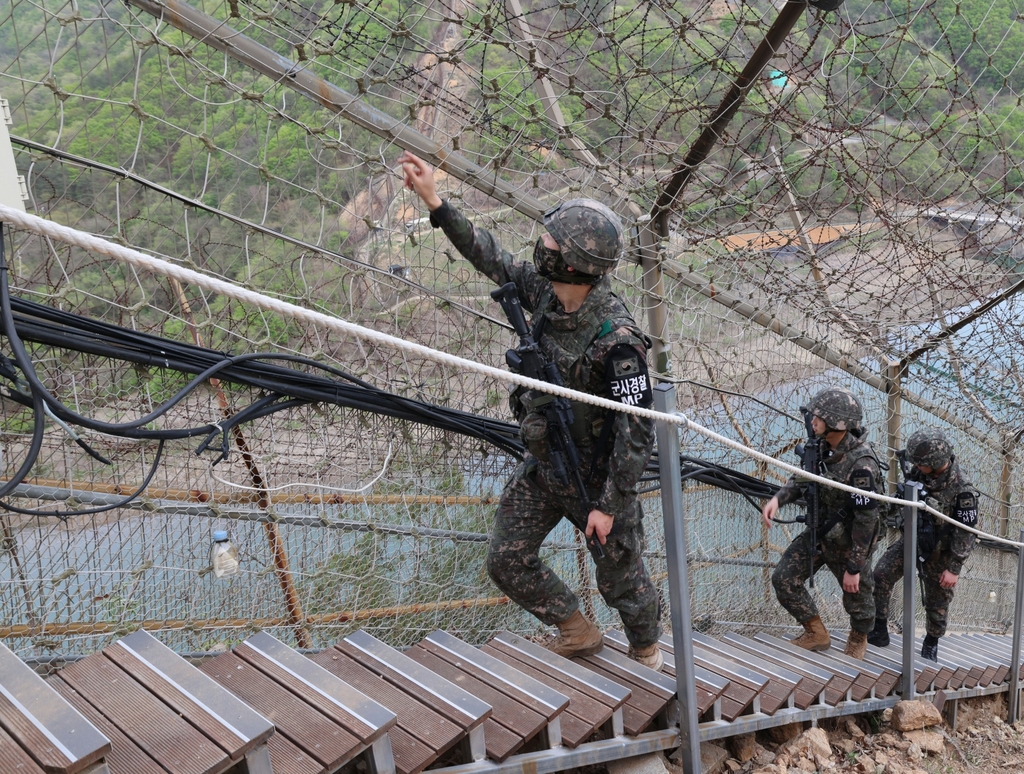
(540, 322)
(825, 528)
(602, 441)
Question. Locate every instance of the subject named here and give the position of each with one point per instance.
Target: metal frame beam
(678, 578)
(217, 34)
(912, 493)
(1013, 705)
(549, 761)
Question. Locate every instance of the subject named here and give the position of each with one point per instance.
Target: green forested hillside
(633, 78)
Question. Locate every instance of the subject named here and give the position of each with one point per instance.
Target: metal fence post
(678, 578)
(910, 512)
(1013, 710)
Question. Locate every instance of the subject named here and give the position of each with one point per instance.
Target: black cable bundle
(750, 488)
(283, 388)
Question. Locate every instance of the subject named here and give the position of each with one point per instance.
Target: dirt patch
(868, 744)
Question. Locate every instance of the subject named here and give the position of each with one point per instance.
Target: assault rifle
(894, 516)
(810, 459)
(926, 531)
(528, 359)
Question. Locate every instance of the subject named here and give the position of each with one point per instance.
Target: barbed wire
(857, 223)
(157, 266)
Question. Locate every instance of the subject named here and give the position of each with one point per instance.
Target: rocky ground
(908, 739)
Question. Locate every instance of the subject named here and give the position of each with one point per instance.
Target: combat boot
(650, 656)
(577, 636)
(879, 636)
(856, 645)
(815, 636)
(930, 648)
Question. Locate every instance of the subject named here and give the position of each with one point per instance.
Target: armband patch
(862, 479)
(627, 378)
(966, 509)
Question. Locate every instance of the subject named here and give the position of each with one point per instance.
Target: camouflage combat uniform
(846, 546)
(585, 345)
(952, 494)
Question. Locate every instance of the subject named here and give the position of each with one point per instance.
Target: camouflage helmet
(588, 233)
(839, 409)
(929, 447)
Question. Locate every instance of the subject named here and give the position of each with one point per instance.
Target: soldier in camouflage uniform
(587, 332)
(848, 526)
(942, 549)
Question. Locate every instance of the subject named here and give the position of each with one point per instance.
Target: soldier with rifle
(582, 463)
(942, 548)
(842, 527)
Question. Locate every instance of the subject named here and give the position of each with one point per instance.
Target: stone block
(912, 715)
(743, 747)
(929, 741)
(653, 763)
(812, 743)
(712, 757)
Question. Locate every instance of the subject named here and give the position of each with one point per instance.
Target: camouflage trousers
(531, 506)
(794, 570)
(936, 599)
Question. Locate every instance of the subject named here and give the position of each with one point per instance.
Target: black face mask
(930, 479)
(551, 265)
(549, 262)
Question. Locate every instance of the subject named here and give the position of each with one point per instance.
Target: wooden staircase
(508, 706)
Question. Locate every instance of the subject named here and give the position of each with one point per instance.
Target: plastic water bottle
(223, 555)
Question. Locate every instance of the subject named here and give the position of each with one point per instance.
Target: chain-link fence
(856, 223)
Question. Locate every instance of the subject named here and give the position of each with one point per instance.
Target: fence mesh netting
(856, 223)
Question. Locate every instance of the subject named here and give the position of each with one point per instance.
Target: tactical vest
(568, 341)
(943, 492)
(839, 466)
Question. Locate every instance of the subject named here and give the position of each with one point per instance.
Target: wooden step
(421, 735)
(328, 720)
(995, 669)
(784, 685)
(42, 729)
(825, 686)
(595, 703)
(980, 673)
(746, 686)
(847, 676)
(224, 719)
(881, 678)
(1002, 646)
(925, 672)
(142, 717)
(651, 692)
(467, 712)
(710, 686)
(125, 757)
(742, 686)
(526, 707)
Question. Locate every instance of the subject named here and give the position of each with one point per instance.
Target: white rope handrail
(154, 265)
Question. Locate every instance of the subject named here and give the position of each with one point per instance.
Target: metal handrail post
(1013, 711)
(912, 491)
(678, 578)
